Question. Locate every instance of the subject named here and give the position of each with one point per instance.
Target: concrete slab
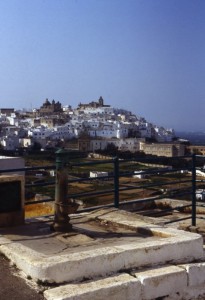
(102, 242)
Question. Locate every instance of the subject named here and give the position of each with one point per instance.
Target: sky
(145, 56)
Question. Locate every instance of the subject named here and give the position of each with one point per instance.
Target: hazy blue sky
(147, 56)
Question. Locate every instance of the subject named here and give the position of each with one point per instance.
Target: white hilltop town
(93, 126)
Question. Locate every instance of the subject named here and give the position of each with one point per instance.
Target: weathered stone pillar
(63, 206)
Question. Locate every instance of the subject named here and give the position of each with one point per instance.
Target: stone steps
(157, 246)
(167, 282)
(147, 261)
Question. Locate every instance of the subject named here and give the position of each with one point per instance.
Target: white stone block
(196, 273)
(190, 293)
(162, 281)
(119, 287)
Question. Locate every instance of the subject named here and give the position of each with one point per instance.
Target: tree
(36, 146)
(111, 149)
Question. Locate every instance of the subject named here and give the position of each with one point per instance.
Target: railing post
(193, 190)
(116, 181)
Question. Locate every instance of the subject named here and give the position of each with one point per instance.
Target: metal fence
(117, 181)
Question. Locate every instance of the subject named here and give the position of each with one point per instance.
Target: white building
(98, 110)
(200, 194)
(10, 142)
(129, 144)
(39, 132)
(25, 142)
(163, 135)
(139, 174)
(95, 174)
(145, 130)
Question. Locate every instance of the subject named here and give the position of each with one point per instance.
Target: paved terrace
(109, 254)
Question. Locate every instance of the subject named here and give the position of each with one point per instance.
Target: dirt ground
(14, 287)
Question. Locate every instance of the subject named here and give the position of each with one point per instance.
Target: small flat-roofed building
(196, 149)
(163, 149)
(97, 174)
(6, 111)
(8, 163)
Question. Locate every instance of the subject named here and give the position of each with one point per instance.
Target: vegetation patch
(40, 209)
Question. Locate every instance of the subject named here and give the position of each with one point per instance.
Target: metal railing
(117, 170)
